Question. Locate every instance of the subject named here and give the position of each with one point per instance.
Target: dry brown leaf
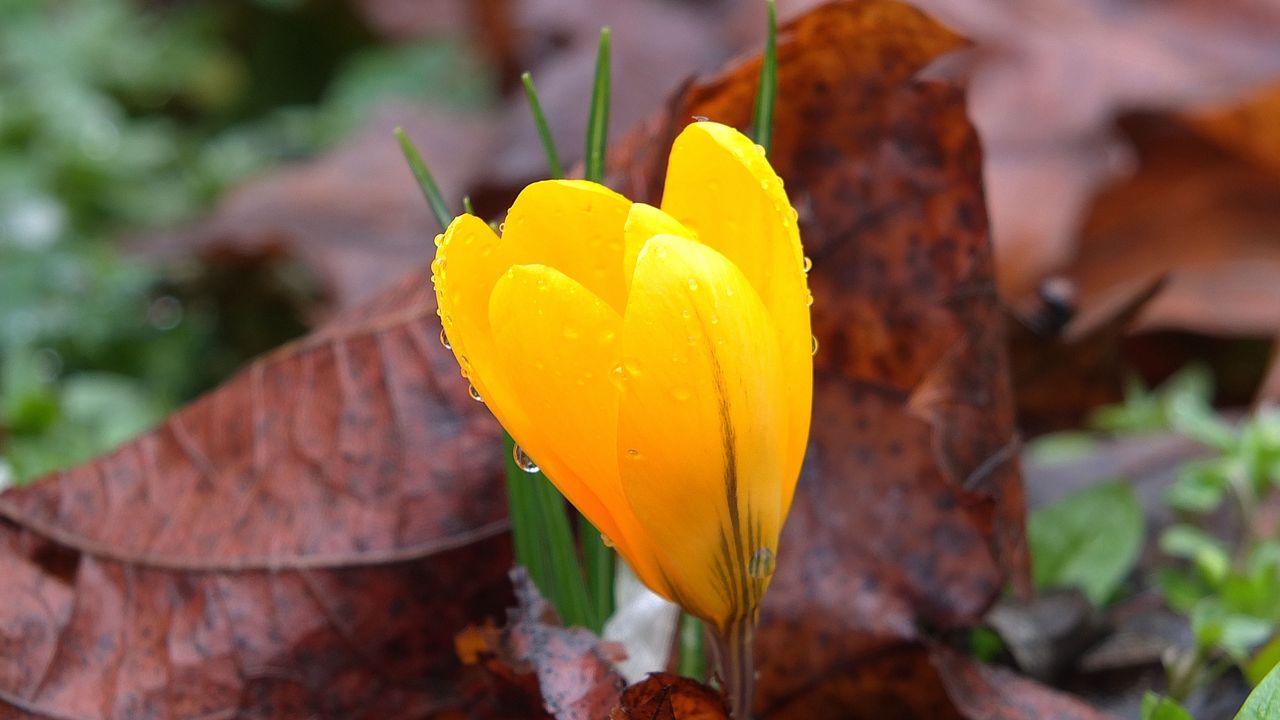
(1050, 76)
(304, 541)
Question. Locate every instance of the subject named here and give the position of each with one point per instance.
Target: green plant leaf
(1235, 634)
(767, 92)
(692, 662)
(544, 130)
(1157, 707)
(1263, 662)
(426, 182)
(598, 566)
(1264, 702)
(1182, 589)
(1199, 487)
(1206, 552)
(598, 119)
(1089, 539)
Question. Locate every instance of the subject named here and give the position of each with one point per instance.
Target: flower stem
(731, 646)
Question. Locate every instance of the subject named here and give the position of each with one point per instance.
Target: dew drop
(693, 284)
(444, 340)
(681, 393)
(604, 540)
(700, 118)
(686, 314)
(502, 226)
(570, 332)
(474, 393)
(439, 240)
(633, 454)
(715, 319)
(809, 300)
(761, 564)
(814, 349)
(760, 149)
(808, 264)
(523, 461)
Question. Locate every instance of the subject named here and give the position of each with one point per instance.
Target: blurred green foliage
(1089, 539)
(1223, 558)
(117, 116)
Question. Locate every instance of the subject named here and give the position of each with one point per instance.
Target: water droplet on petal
(700, 118)
(502, 226)
(634, 454)
(686, 314)
(444, 340)
(681, 393)
(693, 284)
(439, 239)
(808, 264)
(760, 149)
(809, 300)
(570, 333)
(523, 461)
(474, 393)
(814, 349)
(604, 540)
(715, 319)
(761, 564)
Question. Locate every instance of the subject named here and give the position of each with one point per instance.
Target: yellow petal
(557, 344)
(574, 226)
(468, 262)
(720, 185)
(643, 222)
(701, 409)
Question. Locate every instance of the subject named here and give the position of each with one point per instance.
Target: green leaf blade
(544, 130)
(598, 119)
(1264, 702)
(767, 93)
(426, 182)
(1089, 539)
(1156, 707)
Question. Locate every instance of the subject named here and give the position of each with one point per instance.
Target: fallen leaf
(1049, 77)
(573, 666)
(354, 217)
(1205, 218)
(663, 696)
(302, 542)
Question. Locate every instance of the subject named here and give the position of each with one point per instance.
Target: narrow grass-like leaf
(767, 93)
(466, 205)
(567, 587)
(598, 561)
(598, 120)
(427, 183)
(544, 131)
(692, 661)
(523, 509)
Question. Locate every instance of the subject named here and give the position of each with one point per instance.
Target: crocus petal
(643, 222)
(720, 185)
(556, 345)
(574, 226)
(701, 411)
(469, 261)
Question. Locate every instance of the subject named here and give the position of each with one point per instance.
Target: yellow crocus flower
(655, 363)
